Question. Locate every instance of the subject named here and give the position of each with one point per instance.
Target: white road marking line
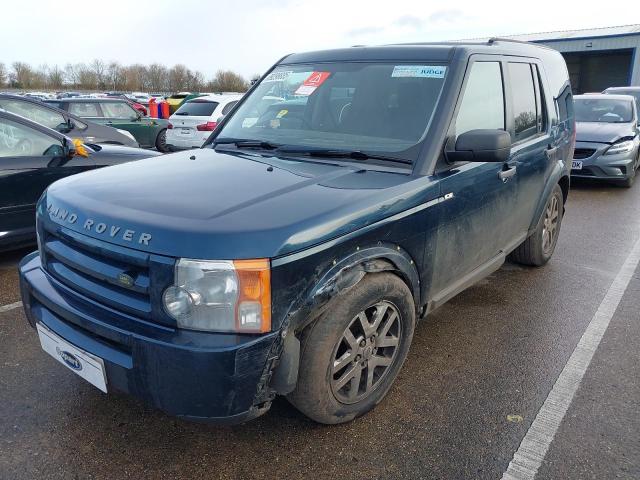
(530, 455)
(11, 306)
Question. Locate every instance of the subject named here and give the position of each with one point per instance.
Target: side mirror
(64, 127)
(482, 145)
(69, 148)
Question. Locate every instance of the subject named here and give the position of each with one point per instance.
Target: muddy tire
(539, 247)
(352, 354)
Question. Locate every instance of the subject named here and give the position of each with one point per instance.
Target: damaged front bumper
(212, 377)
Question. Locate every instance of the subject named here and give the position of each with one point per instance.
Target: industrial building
(597, 58)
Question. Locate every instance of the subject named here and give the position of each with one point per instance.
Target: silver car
(607, 138)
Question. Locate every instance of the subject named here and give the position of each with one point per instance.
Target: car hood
(601, 132)
(231, 205)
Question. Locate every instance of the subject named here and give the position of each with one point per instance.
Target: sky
(248, 36)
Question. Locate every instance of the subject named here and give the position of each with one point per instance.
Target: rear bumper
(174, 140)
(216, 378)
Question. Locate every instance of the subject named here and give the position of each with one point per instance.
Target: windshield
(602, 110)
(382, 108)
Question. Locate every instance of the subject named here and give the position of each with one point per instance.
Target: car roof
(91, 100)
(632, 89)
(605, 96)
(217, 97)
(434, 51)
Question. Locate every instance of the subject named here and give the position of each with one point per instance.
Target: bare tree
(55, 78)
(157, 76)
(22, 75)
(178, 75)
(99, 75)
(227, 81)
(99, 70)
(3, 74)
(116, 77)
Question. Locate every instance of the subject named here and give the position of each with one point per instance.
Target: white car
(194, 121)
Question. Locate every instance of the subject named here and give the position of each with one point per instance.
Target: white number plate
(88, 366)
(186, 131)
(576, 165)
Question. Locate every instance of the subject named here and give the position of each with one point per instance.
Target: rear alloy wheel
(353, 352)
(538, 248)
(161, 141)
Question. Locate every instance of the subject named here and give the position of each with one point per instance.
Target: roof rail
(492, 40)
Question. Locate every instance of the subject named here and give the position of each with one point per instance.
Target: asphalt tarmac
(479, 370)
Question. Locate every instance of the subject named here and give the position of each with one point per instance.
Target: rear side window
(483, 101)
(524, 101)
(84, 109)
(118, 110)
(227, 108)
(197, 108)
(44, 116)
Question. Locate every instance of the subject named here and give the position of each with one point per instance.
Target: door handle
(550, 152)
(507, 173)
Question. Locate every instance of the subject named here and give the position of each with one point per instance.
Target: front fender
(343, 275)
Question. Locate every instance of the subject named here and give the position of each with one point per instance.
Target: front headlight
(126, 134)
(221, 296)
(624, 146)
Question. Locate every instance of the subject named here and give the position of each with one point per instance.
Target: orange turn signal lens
(253, 310)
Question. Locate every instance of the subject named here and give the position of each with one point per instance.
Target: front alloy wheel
(353, 352)
(364, 353)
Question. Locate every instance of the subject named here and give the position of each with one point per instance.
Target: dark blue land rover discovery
(348, 194)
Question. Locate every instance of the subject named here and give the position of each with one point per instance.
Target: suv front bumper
(220, 378)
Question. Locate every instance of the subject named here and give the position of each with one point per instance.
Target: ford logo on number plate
(70, 359)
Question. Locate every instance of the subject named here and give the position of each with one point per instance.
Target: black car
(32, 157)
(65, 122)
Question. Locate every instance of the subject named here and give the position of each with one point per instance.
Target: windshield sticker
(277, 76)
(282, 113)
(420, 71)
(312, 82)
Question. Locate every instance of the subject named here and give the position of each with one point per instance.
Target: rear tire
(539, 247)
(161, 141)
(352, 354)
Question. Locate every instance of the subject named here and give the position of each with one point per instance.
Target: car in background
(607, 138)
(121, 96)
(195, 119)
(633, 91)
(113, 112)
(65, 122)
(32, 157)
(179, 98)
(139, 97)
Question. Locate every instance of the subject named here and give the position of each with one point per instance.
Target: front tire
(539, 247)
(352, 354)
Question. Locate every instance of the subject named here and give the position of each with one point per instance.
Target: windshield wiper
(246, 143)
(353, 154)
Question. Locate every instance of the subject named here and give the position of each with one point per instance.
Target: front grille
(118, 277)
(581, 153)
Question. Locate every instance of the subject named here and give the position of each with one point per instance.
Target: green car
(117, 113)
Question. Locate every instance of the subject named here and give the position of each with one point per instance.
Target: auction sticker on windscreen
(421, 71)
(312, 82)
